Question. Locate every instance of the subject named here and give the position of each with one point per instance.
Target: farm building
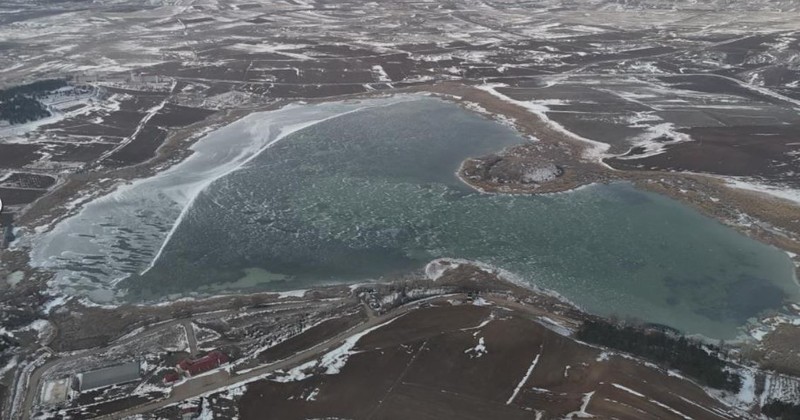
(112, 375)
(210, 361)
(171, 377)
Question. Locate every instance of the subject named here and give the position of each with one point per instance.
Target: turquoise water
(374, 193)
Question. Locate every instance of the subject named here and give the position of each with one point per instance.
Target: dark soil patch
(314, 91)
(425, 323)
(511, 345)
(344, 396)
(18, 155)
(761, 151)
(81, 152)
(142, 148)
(120, 123)
(619, 56)
(411, 401)
(179, 116)
(73, 108)
(124, 120)
(198, 20)
(18, 196)
(83, 128)
(714, 84)
(424, 365)
(311, 337)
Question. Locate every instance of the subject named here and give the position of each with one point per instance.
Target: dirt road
(190, 337)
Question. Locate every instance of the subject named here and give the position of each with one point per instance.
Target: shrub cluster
(21, 104)
(781, 410)
(694, 359)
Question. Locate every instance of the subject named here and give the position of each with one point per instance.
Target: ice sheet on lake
(123, 232)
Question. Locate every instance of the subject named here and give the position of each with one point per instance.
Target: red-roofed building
(210, 361)
(171, 377)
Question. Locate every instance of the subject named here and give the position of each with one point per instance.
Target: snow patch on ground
(483, 323)
(436, 268)
(41, 326)
(14, 278)
(381, 73)
(335, 360)
(658, 403)
(554, 326)
(332, 362)
(581, 413)
(481, 302)
(54, 303)
(746, 398)
(282, 49)
(313, 395)
(628, 390)
(596, 150)
(295, 374)
(440, 268)
(655, 137)
(525, 378)
(785, 193)
(12, 363)
(477, 351)
(500, 118)
(206, 413)
(747, 393)
(292, 293)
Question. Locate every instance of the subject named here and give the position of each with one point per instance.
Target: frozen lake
(373, 192)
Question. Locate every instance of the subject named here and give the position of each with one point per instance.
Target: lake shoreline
(554, 144)
(568, 152)
(766, 218)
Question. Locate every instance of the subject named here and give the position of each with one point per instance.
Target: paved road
(190, 337)
(210, 383)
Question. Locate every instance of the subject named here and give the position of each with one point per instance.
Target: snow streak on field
(524, 378)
